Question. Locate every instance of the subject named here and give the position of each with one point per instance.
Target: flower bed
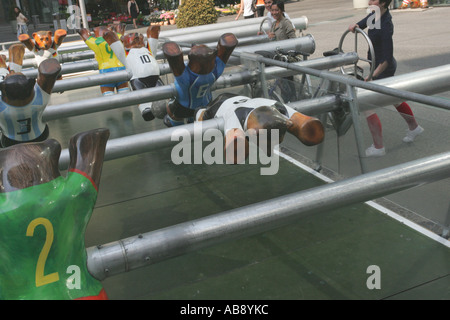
(228, 10)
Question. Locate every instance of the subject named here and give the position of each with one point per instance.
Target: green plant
(196, 12)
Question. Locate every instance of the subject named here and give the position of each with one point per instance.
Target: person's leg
(375, 128)
(414, 129)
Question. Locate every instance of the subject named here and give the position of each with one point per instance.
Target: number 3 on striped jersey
(42, 279)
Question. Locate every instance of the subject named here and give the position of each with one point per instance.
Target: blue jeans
(21, 29)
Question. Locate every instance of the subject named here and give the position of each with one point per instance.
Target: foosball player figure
(23, 101)
(107, 60)
(244, 117)
(193, 81)
(43, 219)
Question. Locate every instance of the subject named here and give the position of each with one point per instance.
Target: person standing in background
(385, 66)
(281, 28)
(133, 11)
(260, 7)
(21, 22)
(246, 9)
(267, 5)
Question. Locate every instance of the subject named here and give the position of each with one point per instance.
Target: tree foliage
(196, 12)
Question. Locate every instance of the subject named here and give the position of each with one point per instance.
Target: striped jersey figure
(23, 102)
(193, 81)
(106, 58)
(43, 218)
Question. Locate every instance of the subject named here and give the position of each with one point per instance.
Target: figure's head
(28, 164)
(43, 39)
(100, 31)
(17, 86)
(133, 40)
(202, 59)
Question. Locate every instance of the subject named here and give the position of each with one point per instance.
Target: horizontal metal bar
(98, 104)
(67, 68)
(373, 86)
(145, 142)
(152, 247)
(238, 30)
(100, 78)
(107, 103)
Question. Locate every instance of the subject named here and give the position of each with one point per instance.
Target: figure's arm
(241, 10)
(84, 34)
(289, 29)
(116, 45)
(27, 41)
(174, 56)
(49, 71)
(152, 39)
(226, 45)
(118, 28)
(87, 151)
(16, 53)
(3, 68)
(3, 62)
(309, 130)
(60, 34)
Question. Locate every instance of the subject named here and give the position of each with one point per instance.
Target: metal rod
(86, 65)
(376, 86)
(211, 35)
(222, 26)
(359, 137)
(145, 142)
(111, 102)
(152, 247)
(80, 107)
(85, 62)
(100, 78)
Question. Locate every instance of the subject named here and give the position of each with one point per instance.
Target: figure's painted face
(43, 39)
(133, 40)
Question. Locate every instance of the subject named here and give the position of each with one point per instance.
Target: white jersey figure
(243, 115)
(42, 45)
(140, 60)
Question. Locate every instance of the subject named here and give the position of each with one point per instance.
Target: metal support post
(353, 103)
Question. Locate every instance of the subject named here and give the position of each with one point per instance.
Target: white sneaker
(412, 134)
(374, 152)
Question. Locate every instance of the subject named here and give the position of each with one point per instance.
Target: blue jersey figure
(193, 81)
